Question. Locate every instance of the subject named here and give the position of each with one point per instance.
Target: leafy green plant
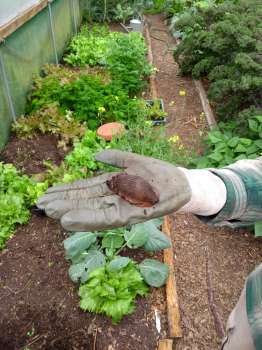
(126, 61)
(149, 141)
(122, 14)
(49, 120)
(97, 255)
(79, 163)
(225, 146)
(17, 194)
(89, 98)
(122, 54)
(88, 46)
(155, 111)
(106, 11)
(112, 293)
(223, 43)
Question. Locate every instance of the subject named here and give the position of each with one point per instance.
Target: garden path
(231, 254)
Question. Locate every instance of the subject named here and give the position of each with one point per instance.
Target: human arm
(217, 196)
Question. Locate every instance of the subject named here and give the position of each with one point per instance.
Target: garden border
(173, 314)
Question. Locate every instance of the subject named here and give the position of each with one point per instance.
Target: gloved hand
(89, 205)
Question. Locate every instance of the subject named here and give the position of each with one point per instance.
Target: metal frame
(7, 89)
(52, 30)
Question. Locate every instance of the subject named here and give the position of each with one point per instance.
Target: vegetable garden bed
(40, 304)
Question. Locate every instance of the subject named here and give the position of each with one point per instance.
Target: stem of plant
(120, 249)
(105, 9)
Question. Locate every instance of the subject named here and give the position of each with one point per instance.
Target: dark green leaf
(118, 263)
(93, 260)
(154, 272)
(112, 241)
(78, 243)
(136, 237)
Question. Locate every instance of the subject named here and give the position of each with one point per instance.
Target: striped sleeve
(243, 207)
(254, 305)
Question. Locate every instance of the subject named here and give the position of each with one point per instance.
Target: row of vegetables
(101, 77)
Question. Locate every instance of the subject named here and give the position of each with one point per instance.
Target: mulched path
(231, 254)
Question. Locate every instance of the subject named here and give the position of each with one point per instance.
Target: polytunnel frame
(13, 25)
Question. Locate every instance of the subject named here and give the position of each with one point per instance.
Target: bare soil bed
(231, 254)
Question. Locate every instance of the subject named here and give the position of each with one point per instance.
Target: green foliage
(114, 10)
(111, 293)
(154, 272)
(126, 61)
(156, 239)
(17, 194)
(225, 146)
(142, 138)
(154, 111)
(224, 43)
(118, 263)
(88, 46)
(88, 97)
(79, 163)
(136, 237)
(122, 54)
(49, 120)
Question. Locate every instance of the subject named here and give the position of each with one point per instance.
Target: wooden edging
(210, 118)
(173, 312)
(16, 22)
(152, 77)
(165, 344)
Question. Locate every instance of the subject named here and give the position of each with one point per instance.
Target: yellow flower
(180, 147)
(174, 139)
(171, 103)
(182, 93)
(101, 109)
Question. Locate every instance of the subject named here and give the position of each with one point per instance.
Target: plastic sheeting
(25, 51)
(10, 9)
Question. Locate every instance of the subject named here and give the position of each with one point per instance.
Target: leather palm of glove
(89, 205)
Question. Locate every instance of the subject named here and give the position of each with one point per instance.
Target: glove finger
(58, 208)
(99, 190)
(118, 158)
(116, 215)
(81, 184)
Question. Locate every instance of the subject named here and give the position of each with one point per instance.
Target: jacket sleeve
(243, 207)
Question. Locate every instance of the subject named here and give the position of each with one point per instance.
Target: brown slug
(134, 189)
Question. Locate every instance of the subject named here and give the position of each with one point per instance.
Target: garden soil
(230, 254)
(38, 302)
(39, 305)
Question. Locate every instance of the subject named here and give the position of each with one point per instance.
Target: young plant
(17, 194)
(96, 263)
(50, 120)
(112, 290)
(225, 146)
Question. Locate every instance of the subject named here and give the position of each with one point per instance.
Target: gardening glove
(89, 205)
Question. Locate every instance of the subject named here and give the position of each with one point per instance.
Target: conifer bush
(224, 43)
